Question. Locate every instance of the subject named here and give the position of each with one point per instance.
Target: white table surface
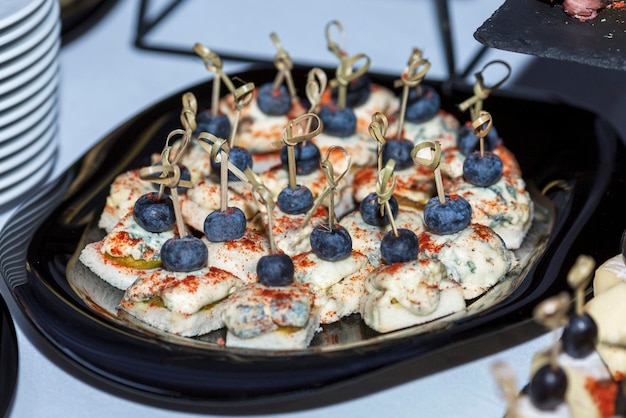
(105, 80)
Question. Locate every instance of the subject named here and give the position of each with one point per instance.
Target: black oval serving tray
(552, 141)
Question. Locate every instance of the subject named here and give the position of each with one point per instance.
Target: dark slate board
(537, 28)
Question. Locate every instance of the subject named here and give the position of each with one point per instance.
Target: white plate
(11, 160)
(26, 25)
(18, 69)
(34, 179)
(12, 11)
(27, 42)
(12, 178)
(27, 107)
(24, 93)
(37, 64)
(29, 121)
(39, 127)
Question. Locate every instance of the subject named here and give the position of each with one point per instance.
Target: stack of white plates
(29, 75)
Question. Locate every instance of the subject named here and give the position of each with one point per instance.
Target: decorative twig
(213, 63)
(266, 198)
(481, 91)
(332, 183)
(291, 140)
(385, 192)
(552, 313)
(333, 47)
(346, 73)
(242, 95)
(378, 129)
(480, 131)
(284, 65)
(434, 163)
(579, 277)
(213, 145)
(411, 77)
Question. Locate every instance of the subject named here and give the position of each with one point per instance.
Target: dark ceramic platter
(582, 153)
(536, 27)
(8, 358)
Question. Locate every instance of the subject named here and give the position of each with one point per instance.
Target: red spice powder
(603, 395)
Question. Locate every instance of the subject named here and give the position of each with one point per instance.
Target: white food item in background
(406, 294)
(610, 273)
(608, 310)
(443, 128)
(476, 257)
(452, 162)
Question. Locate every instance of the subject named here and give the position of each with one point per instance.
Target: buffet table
(104, 81)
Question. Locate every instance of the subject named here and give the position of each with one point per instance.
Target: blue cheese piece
(128, 239)
(505, 207)
(337, 285)
(123, 193)
(186, 304)
(239, 257)
(406, 294)
(476, 257)
(443, 128)
(263, 317)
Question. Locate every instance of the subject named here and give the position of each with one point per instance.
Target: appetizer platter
(567, 170)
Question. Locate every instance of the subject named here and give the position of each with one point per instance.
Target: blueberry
(185, 174)
(467, 141)
(398, 150)
(370, 210)
(275, 270)
(482, 171)
(218, 125)
(331, 245)
(400, 249)
(580, 336)
(307, 157)
(422, 106)
(228, 225)
(274, 102)
(154, 214)
(547, 387)
(184, 254)
(358, 91)
(240, 157)
(338, 121)
(449, 217)
(295, 201)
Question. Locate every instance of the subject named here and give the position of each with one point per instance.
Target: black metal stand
(146, 24)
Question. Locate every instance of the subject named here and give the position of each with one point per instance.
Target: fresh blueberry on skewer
(275, 270)
(228, 225)
(370, 210)
(423, 103)
(331, 245)
(274, 102)
(547, 387)
(295, 201)
(449, 217)
(307, 157)
(184, 254)
(358, 91)
(340, 122)
(398, 150)
(401, 248)
(468, 141)
(239, 157)
(218, 125)
(154, 214)
(482, 170)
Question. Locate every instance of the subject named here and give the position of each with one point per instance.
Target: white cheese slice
(610, 273)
